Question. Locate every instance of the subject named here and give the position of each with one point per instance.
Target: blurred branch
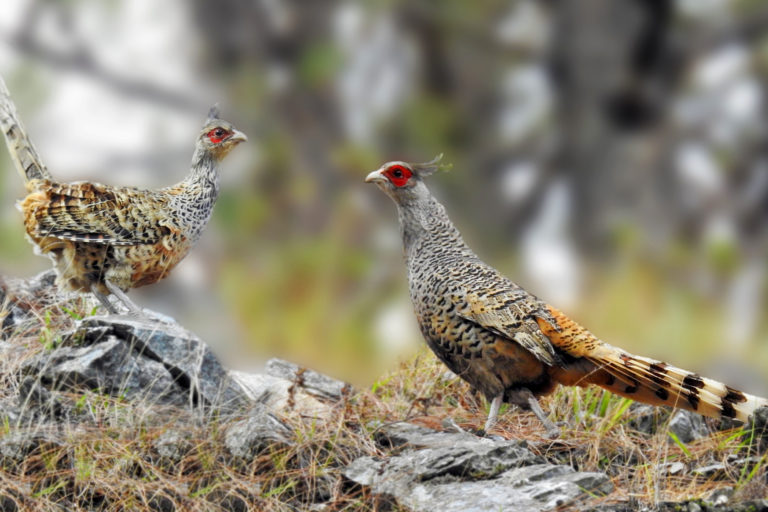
(83, 62)
(746, 29)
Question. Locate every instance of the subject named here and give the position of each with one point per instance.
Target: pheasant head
(402, 181)
(421, 215)
(218, 137)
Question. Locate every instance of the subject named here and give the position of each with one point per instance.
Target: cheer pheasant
(104, 239)
(507, 343)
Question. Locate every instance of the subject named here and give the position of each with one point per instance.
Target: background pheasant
(506, 342)
(106, 239)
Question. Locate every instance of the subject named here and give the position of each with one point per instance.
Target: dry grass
(111, 460)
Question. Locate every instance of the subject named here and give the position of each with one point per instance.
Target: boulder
(314, 383)
(259, 433)
(108, 366)
(288, 387)
(191, 364)
(461, 472)
(688, 426)
(138, 359)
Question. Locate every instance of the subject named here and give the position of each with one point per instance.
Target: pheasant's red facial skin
(398, 174)
(218, 134)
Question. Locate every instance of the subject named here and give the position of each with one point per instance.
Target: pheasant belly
(153, 262)
(489, 363)
(84, 267)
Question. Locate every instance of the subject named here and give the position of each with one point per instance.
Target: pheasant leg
(104, 300)
(552, 430)
(122, 297)
(494, 412)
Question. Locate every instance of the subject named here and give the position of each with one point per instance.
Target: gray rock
(645, 418)
(735, 460)
(189, 361)
(683, 506)
(17, 448)
(108, 366)
(688, 426)
(154, 359)
(720, 496)
(456, 454)
(18, 294)
(460, 472)
(710, 471)
(10, 412)
(757, 429)
(281, 395)
(41, 284)
(671, 468)
(257, 434)
(33, 396)
(313, 382)
(172, 446)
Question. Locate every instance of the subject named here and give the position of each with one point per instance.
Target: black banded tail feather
(644, 379)
(23, 153)
(658, 383)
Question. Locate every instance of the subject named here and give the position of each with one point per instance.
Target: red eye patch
(398, 175)
(217, 135)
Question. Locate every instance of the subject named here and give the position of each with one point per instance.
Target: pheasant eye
(217, 135)
(398, 175)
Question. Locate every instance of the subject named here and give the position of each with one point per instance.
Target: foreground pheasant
(507, 343)
(106, 239)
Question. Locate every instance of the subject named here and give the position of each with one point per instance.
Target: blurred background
(609, 155)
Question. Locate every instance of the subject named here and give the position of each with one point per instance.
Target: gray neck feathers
(204, 174)
(424, 222)
(200, 189)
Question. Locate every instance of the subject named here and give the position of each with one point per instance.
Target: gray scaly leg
(122, 297)
(494, 412)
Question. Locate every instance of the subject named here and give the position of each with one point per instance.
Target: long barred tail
(658, 383)
(23, 153)
(643, 379)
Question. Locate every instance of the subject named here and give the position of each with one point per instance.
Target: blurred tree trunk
(611, 68)
(284, 40)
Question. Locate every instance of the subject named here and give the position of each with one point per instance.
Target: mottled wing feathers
(91, 212)
(645, 379)
(511, 313)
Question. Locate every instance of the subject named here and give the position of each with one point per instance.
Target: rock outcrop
(460, 472)
(207, 426)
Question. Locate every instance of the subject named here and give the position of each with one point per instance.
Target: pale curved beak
(238, 136)
(375, 177)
